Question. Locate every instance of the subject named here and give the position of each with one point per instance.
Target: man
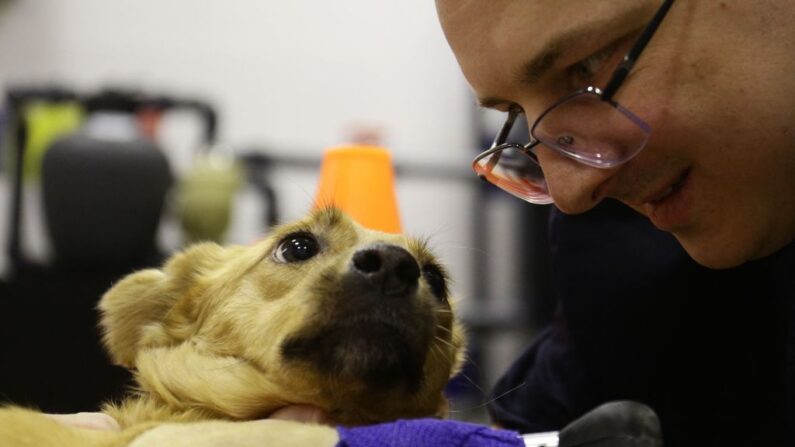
(682, 112)
(712, 85)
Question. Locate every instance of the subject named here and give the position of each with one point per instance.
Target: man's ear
(134, 310)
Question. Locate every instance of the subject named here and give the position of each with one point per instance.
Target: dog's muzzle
(373, 327)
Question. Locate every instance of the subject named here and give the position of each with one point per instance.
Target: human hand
(301, 413)
(216, 433)
(101, 421)
(93, 421)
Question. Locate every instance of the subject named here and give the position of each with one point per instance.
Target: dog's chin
(376, 354)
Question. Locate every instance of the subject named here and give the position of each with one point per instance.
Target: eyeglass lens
(516, 171)
(583, 127)
(595, 132)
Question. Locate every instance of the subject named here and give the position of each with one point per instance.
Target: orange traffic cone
(359, 180)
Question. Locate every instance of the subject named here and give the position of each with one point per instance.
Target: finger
(301, 413)
(93, 421)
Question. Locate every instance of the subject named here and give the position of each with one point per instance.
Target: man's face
(714, 84)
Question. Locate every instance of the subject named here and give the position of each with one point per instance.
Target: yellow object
(206, 196)
(45, 123)
(359, 180)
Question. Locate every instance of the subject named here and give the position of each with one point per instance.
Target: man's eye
(296, 247)
(585, 71)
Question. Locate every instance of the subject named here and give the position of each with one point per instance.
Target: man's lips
(669, 207)
(668, 190)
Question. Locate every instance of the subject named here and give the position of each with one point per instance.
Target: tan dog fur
(205, 335)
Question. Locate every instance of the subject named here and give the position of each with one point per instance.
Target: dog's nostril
(407, 271)
(391, 268)
(367, 261)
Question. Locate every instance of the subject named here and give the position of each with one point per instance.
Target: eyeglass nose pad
(565, 140)
(529, 149)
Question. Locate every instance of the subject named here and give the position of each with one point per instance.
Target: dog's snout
(392, 268)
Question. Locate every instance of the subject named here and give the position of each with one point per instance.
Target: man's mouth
(673, 188)
(670, 208)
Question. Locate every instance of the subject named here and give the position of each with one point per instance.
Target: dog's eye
(296, 247)
(436, 279)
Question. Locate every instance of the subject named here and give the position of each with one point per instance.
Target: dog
(322, 312)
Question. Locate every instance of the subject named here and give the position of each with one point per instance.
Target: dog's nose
(391, 268)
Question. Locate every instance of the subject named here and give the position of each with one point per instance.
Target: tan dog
(322, 312)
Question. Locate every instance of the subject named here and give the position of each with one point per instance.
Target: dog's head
(322, 312)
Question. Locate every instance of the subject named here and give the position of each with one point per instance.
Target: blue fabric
(427, 433)
(711, 351)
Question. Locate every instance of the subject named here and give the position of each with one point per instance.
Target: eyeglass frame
(613, 84)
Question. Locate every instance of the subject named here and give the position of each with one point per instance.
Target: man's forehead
(535, 10)
(514, 35)
(543, 20)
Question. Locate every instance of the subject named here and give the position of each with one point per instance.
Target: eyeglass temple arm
(506, 128)
(634, 53)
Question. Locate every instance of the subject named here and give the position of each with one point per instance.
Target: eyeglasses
(587, 126)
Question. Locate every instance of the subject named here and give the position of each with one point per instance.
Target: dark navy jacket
(711, 351)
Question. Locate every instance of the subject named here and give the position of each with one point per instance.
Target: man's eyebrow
(532, 70)
(538, 65)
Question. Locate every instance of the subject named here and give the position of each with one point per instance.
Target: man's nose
(575, 187)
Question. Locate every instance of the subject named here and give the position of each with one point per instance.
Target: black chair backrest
(103, 201)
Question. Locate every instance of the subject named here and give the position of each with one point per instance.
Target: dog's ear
(134, 310)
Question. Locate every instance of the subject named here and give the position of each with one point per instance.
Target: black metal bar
(402, 169)
(18, 136)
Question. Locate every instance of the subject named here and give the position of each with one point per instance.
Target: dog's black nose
(390, 268)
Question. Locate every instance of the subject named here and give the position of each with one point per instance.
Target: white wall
(289, 73)
(287, 76)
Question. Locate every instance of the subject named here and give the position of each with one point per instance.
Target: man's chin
(719, 254)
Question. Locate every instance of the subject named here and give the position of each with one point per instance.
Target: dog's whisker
(450, 345)
(439, 326)
(477, 367)
(473, 383)
(438, 351)
(474, 250)
(493, 399)
(447, 355)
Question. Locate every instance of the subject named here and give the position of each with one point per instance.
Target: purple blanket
(427, 433)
